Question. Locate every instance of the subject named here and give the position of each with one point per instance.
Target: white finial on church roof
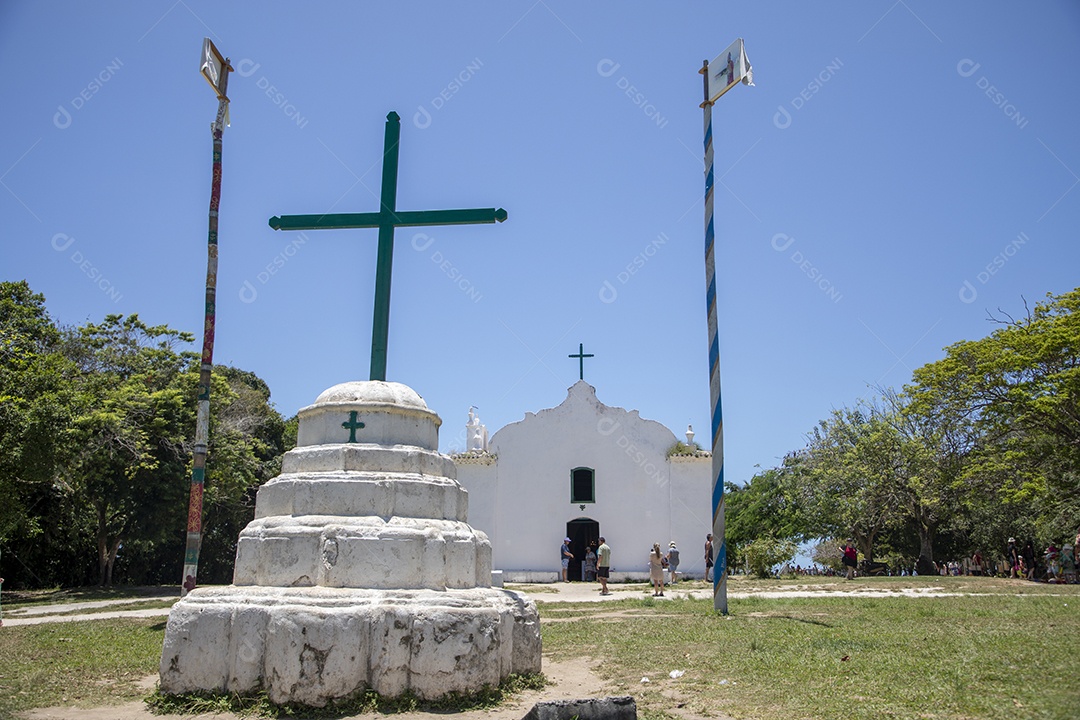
(690, 435)
(476, 435)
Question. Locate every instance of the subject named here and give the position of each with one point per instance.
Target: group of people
(1054, 564)
(658, 563)
(596, 565)
(1058, 564)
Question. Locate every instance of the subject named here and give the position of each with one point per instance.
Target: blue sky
(898, 170)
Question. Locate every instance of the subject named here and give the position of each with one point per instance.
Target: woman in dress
(590, 564)
(656, 570)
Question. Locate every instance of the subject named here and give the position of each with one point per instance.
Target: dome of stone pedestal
(389, 414)
(372, 391)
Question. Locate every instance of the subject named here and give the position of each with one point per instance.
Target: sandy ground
(572, 679)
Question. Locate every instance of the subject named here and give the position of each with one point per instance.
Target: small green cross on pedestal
(388, 218)
(581, 360)
(352, 426)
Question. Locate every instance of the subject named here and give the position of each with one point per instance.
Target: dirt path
(148, 612)
(571, 679)
(547, 593)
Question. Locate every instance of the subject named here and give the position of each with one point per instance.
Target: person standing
(566, 556)
(1068, 564)
(603, 565)
(656, 570)
(1028, 554)
(1052, 557)
(590, 564)
(1012, 553)
(673, 560)
(850, 560)
(708, 557)
(977, 563)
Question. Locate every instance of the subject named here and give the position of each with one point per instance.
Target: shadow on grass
(804, 620)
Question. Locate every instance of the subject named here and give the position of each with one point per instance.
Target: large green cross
(388, 218)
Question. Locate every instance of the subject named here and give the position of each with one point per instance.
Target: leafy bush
(762, 554)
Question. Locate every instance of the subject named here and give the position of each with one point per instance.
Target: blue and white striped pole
(719, 542)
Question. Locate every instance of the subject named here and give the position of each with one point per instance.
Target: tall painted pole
(202, 422)
(719, 542)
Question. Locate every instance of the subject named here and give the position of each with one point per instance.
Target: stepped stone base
(314, 644)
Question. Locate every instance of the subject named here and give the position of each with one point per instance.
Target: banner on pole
(727, 69)
(213, 66)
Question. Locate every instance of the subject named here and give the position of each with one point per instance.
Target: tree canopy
(96, 431)
(983, 444)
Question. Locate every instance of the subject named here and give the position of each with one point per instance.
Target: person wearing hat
(673, 560)
(1012, 553)
(566, 556)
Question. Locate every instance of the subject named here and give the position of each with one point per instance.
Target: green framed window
(582, 485)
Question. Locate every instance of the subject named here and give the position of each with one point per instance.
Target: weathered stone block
(609, 708)
(359, 570)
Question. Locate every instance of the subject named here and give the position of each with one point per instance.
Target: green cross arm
(386, 220)
(402, 218)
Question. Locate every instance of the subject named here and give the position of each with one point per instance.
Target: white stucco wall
(522, 499)
(691, 509)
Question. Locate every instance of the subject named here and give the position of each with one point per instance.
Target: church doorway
(582, 533)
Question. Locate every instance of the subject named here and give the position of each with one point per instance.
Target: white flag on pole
(728, 68)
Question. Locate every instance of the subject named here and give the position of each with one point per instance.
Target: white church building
(584, 470)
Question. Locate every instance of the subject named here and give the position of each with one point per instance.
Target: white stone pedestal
(358, 571)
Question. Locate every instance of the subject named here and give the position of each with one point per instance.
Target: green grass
(362, 702)
(1009, 652)
(77, 663)
(996, 656)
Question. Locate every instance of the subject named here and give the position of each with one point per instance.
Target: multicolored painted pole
(719, 541)
(202, 422)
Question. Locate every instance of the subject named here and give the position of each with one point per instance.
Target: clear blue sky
(898, 170)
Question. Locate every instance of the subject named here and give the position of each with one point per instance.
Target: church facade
(583, 470)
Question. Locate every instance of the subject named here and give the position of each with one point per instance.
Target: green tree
(1019, 388)
(850, 477)
(35, 406)
(247, 441)
(130, 433)
(96, 431)
(935, 446)
(765, 507)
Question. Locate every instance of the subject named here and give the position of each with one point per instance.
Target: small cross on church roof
(581, 355)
